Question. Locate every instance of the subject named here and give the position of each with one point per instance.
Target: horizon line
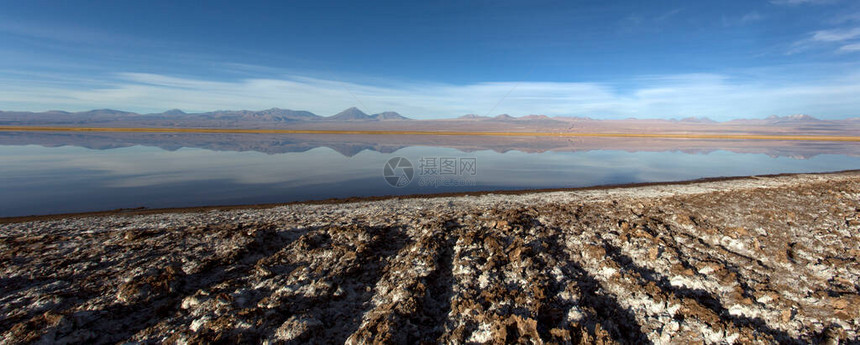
(439, 133)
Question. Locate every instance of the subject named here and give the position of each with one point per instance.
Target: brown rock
(653, 253)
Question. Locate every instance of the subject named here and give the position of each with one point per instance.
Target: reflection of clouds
(558, 169)
(146, 166)
(38, 180)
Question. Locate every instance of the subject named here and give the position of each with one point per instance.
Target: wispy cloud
(66, 34)
(747, 18)
(845, 18)
(801, 2)
(667, 15)
(713, 95)
(850, 47)
(835, 35)
(751, 17)
(825, 38)
(637, 22)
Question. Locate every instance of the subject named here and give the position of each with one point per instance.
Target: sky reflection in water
(41, 180)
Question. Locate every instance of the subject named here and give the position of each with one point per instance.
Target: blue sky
(432, 59)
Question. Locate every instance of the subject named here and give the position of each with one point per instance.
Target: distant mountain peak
(291, 114)
(795, 117)
(694, 119)
(174, 112)
(504, 117)
(106, 112)
(579, 118)
(389, 115)
(472, 117)
(535, 117)
(352, 113)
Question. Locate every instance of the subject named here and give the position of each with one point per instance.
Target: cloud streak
(69, 34)
(801, 2)
(836, 35)
(827, 38)
(850, 47)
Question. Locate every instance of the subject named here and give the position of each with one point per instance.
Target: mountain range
(350, 114)
(268, 115)
(355, 119)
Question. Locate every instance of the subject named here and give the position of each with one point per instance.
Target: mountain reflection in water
(47, 172)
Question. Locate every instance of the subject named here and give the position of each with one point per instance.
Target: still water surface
(57, 174)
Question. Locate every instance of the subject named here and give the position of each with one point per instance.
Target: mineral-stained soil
(754, 260)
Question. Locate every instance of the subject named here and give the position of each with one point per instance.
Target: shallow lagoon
(44, 173)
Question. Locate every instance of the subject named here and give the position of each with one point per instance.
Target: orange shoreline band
(381, 132)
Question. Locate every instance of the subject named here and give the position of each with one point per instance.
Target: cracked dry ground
(734, 263)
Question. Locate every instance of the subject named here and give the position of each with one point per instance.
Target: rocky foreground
(753, 260)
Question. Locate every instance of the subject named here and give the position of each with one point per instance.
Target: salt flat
(758, 259)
